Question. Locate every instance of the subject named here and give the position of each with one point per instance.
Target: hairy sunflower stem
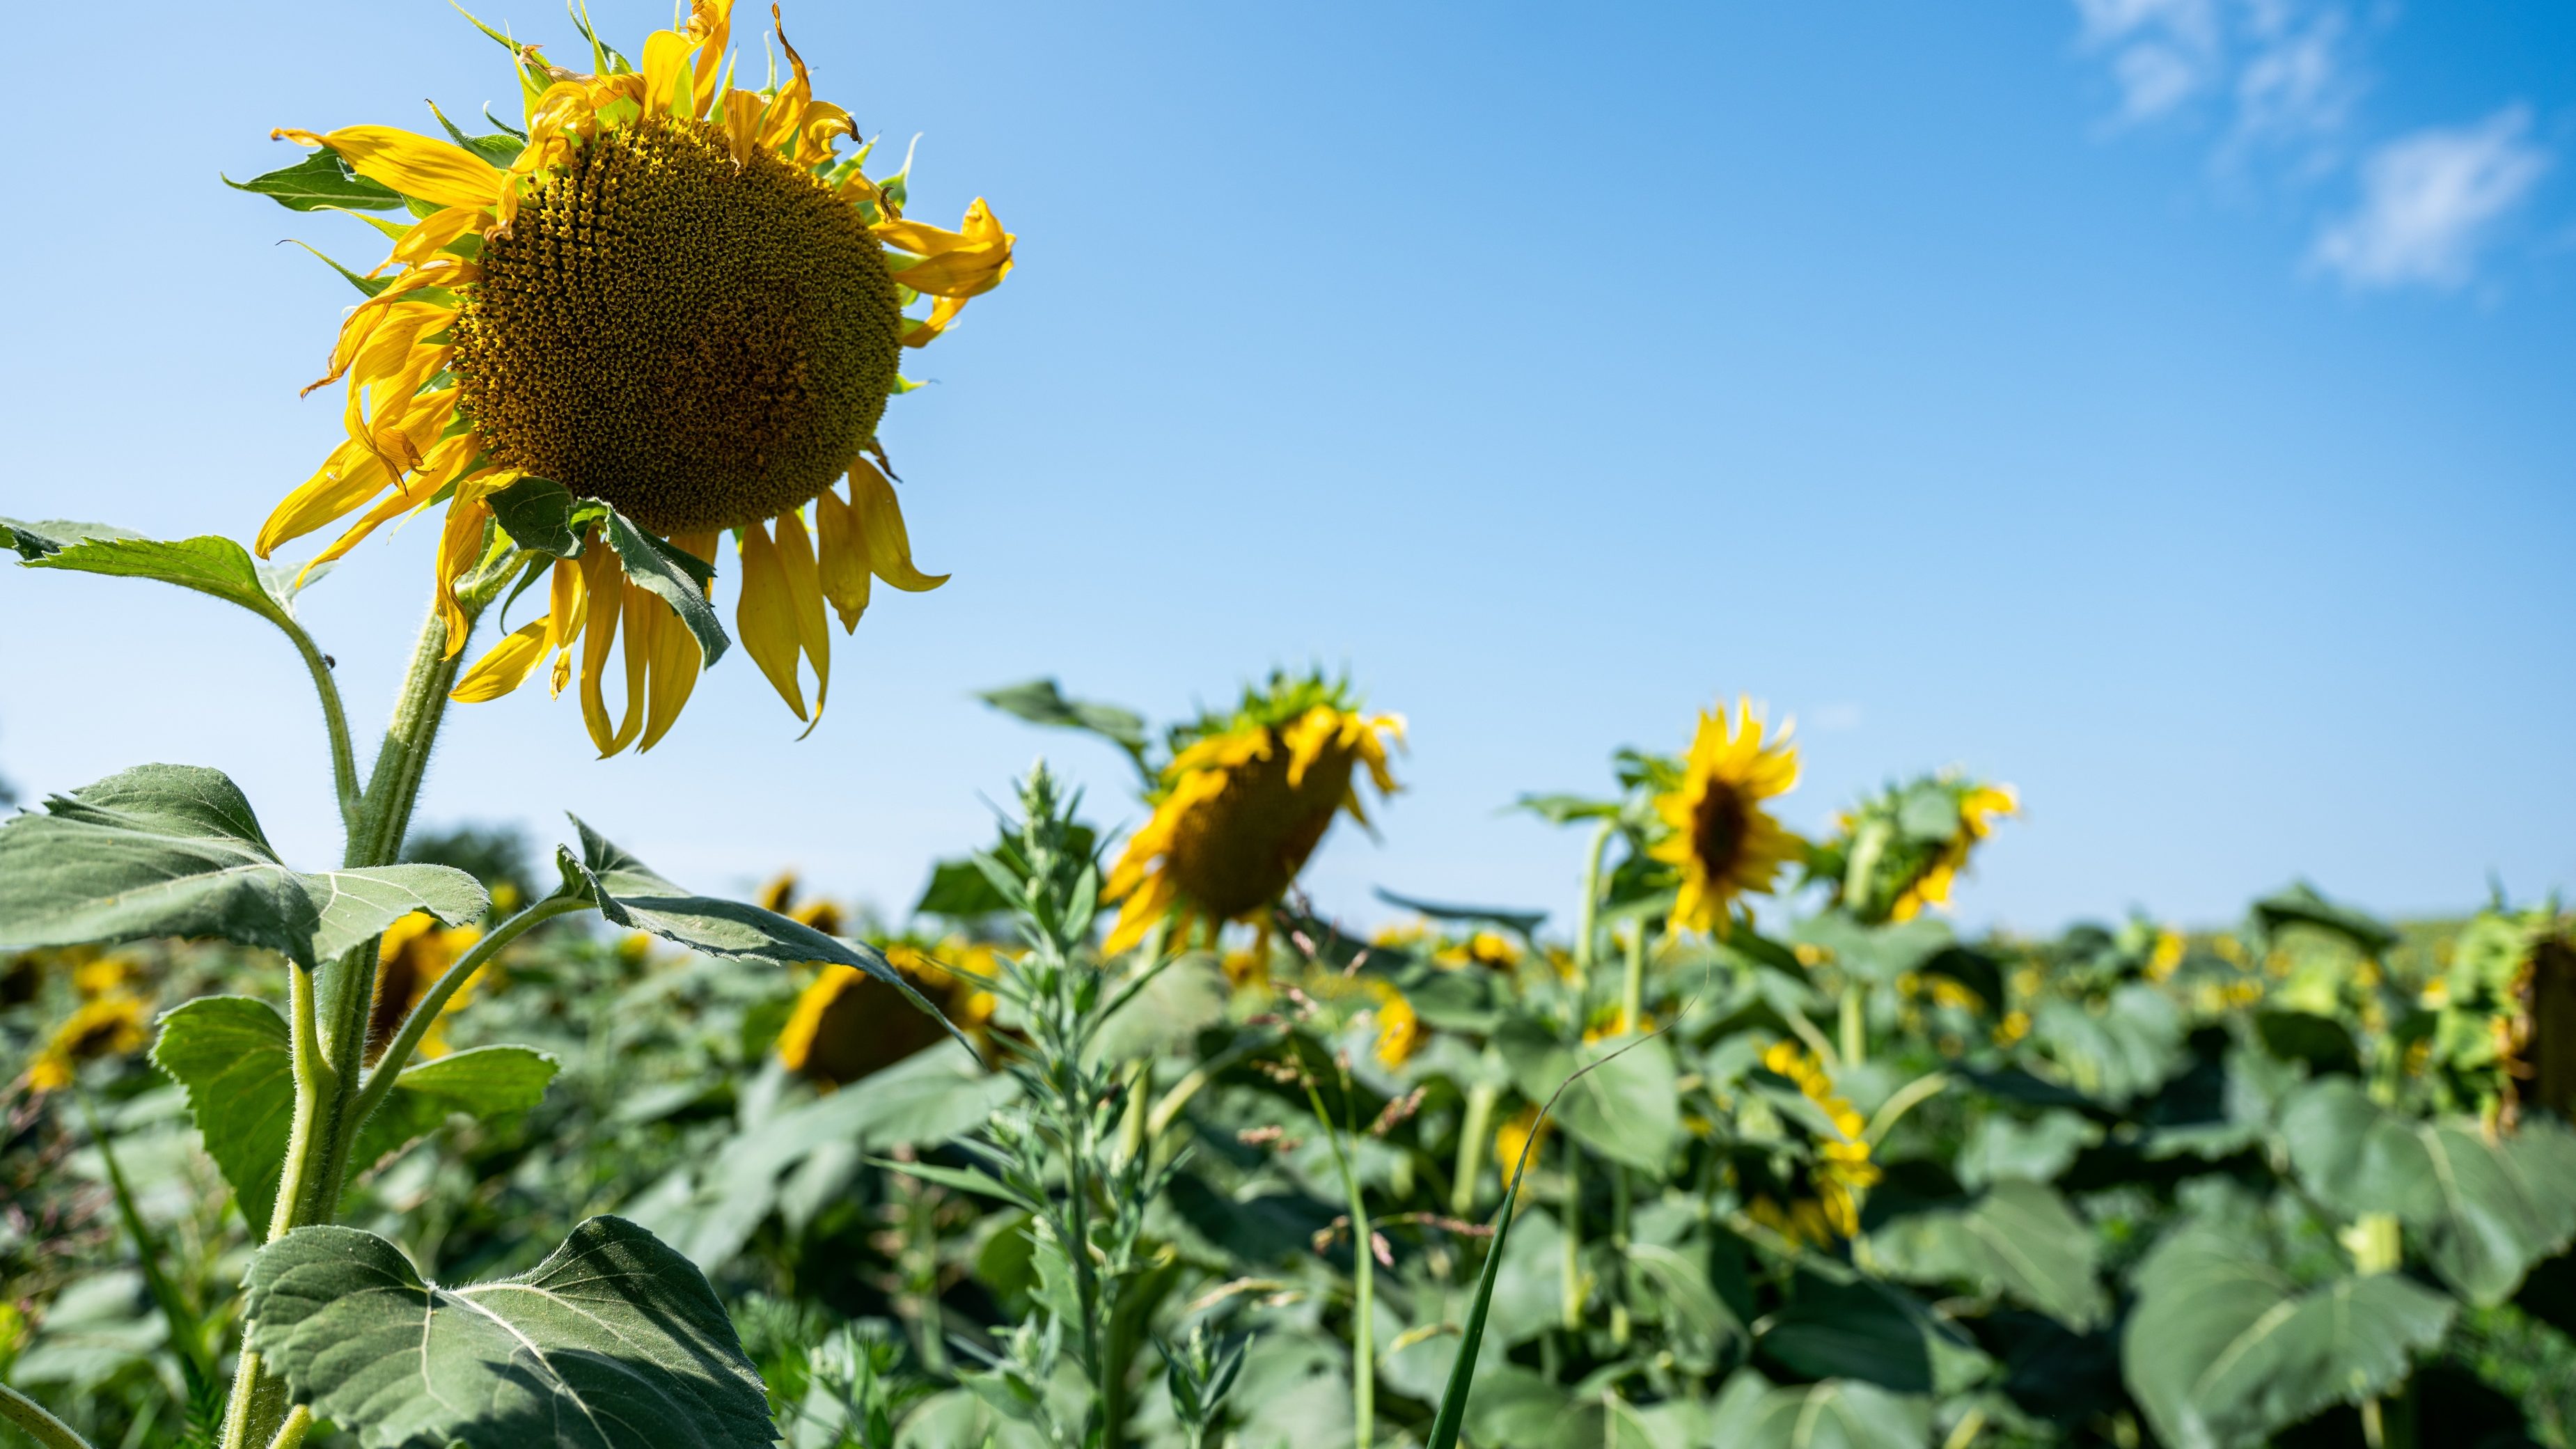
(335, 719)
(1855, 1022)
(41, 1426)
(1632, 986)
(1619, 1320)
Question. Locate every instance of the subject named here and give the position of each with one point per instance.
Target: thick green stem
(1363, 1277)
(331, 1012)
(1855, 1023)
(42, 1427)
(1588, 922)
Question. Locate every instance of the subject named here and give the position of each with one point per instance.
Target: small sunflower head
(1716, 836)
(107, 1026)
(847, 1024)
(666, 307)
(1904, 848)
(1244, 802)
(410, 958)
(1839, 1175)
(1399, 1028)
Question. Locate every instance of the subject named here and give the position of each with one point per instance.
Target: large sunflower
(669, 296)
(1720, 839)
(1979, 806)
(1244, 802)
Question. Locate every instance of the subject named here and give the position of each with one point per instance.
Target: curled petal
(506, 665)
(881, 529)
(841, 558)
(967, 262)
(942, 312)
(438, 172)
(350, 476)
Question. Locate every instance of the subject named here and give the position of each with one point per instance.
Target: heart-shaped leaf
(174, 850)
(613, 1342)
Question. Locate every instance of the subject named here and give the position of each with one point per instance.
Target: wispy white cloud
(2163, 52)
(2431, 199)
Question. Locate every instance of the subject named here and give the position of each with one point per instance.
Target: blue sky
(2161, 405)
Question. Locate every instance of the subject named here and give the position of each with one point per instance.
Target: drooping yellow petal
(350, 476)
(963, 263)
(677, 659)
(363, 319)
(816, 129)
(766, 616)
(711, 25)
(506, 665)
(942, 312)
(438, 172)
(460, 547)
(644, 619)
(881, 529)
(842, 562)
(805, 597)
(604, 583)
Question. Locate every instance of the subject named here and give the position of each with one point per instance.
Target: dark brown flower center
(704, 346)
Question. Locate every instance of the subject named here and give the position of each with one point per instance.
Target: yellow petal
(843, 558)
(711, 24)
(434, 232)
(742, 116)
(676, 659)
(460, 546)
(437, 172)
(667, 82)
(816, 129)
(942, 312)
(805, 596)
(766, 616)
(644, 619)
(881, 529)
(366, 316)
(604, 583)
(962, 263)
(350, 476)
(505, 666)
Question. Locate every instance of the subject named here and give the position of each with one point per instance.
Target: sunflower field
(1113, 1138)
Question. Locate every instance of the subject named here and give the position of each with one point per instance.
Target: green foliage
(318, 182)
(614, 1342)
(174, 850)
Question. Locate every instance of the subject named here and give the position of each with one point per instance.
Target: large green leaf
(318, 181)
(2302, 904)
(2225, 1347)
(2017, 1238)
(483, 1082)
(2483, 1211)
(613, 1342)
(629, 894)
(230, 1053)
(174, 850)
(209, 565)
(2116, 1049)
(1871, 1331)
(1627, 1109)
(1874, 953)
(1835, 1414)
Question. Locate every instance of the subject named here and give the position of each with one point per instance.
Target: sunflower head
(847, 1024)
(1244, 802)
(410, 958)
(1399, 1028)
(665, 308)
(1717, 837)
(1841, 1172)
(108, 1026)
(1904, 848)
